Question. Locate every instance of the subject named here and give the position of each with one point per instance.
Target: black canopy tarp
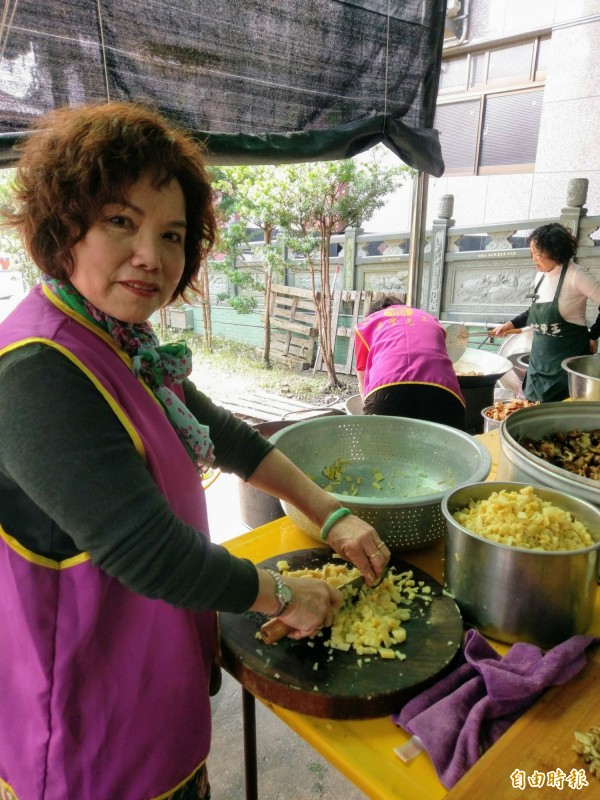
(261, 81)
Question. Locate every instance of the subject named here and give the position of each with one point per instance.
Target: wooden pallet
(293, 326)
(361, 303)
(360, 307)
(263, 407)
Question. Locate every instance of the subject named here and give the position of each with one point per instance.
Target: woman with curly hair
(557, 314)
(108, 581)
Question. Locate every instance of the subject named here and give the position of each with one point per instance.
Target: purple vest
(104, 693)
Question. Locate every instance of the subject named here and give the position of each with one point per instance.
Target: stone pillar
(349, 274)
(439, 243)
(571, 214)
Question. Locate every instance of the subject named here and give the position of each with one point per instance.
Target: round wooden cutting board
(308, 677)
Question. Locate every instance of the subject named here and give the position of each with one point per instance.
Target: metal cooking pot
(518, 595)
(518, 464)
(489, 424)
(584, 377)
(478, 390)
(519, 367)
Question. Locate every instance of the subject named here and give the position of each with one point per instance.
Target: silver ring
(381, 545)
(377, 553)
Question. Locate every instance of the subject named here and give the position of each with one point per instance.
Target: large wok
(491, 367)
(478, 390)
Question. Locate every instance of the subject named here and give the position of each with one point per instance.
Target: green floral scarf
(158, 365)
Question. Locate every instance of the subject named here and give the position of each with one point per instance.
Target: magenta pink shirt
(401, 344)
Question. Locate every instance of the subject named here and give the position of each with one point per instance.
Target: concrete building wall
(568, 144)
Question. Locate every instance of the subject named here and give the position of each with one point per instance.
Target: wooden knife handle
(508, 333)
(274, 630)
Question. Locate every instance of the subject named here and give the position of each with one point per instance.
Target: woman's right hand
(502, 330)
(311, 608)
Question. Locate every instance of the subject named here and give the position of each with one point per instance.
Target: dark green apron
(554, 339)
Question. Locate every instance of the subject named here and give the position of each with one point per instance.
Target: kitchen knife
(275, 629)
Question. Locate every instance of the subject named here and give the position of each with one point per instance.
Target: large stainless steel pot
(519, 367)
(518, 464)
(518, 595)
(523, 362)
(584, 377)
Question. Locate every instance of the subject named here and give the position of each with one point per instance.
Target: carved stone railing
(479, 273)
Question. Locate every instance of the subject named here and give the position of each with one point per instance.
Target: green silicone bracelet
(332, 519)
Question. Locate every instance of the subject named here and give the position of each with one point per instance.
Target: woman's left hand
(357, 541)
(351, 537)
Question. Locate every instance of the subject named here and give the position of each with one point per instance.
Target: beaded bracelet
(332, 519)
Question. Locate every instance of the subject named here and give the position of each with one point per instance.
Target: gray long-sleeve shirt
(71, 481)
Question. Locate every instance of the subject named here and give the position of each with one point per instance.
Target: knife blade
(274, 630)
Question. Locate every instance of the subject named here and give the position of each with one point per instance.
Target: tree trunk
(163, 323)
(325, 332)
(206, 315)
(322, 301)
(267, 320)
(267, 234)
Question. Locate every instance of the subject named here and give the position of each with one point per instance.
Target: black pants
(417, 401)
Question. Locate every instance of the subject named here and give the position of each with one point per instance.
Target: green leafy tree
(320, 200)
(255, 196)
(10, 241)
(308, 203)
(234, 240)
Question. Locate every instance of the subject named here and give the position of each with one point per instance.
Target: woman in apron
(557, 315)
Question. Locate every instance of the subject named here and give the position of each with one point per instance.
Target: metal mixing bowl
(489, 424)
(354, 404)
(523, 362)
(518, 595)
(518, 464)
(392, 445)
(584, 377)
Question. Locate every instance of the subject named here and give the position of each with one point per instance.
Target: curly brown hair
(554, 241)
(78, 159)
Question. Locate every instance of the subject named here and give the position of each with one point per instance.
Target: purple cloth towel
(462, 715)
